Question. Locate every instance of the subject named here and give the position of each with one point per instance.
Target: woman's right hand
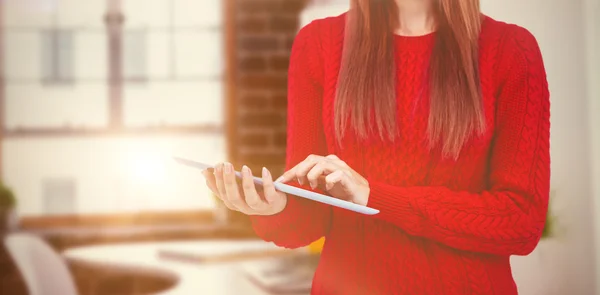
(245, 199)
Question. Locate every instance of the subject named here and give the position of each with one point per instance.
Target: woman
(432, 113)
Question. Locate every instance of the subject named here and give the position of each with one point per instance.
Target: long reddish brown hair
(366, 83)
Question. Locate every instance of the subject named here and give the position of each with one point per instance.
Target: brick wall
(265, 32)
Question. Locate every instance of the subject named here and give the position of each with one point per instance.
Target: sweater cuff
(394, 203)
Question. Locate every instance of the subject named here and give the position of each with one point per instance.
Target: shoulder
(519, 75)
(313, 43)
(511, 46)
(320, 30)
(508, 37)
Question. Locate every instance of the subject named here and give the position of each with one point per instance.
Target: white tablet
(292, 190)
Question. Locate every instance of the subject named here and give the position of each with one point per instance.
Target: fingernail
(265, 172)
(279, 179)
(300, 181)
(245, 170)
(312, 185)
(228, 168)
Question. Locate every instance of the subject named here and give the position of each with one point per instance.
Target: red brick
(279, 102)
(279, 63)
(254, 139)
(266, 119)
(252, 64)
(293, 6)
(258, 43)
(254, 101)
(284, 24)
(252, 25)
(280, 139)
(256, 6)
(264, 158)
(289, 42)
(258, 81)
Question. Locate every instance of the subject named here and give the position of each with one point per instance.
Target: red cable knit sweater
(446, 226)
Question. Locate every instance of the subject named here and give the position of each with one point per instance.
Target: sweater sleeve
(302, 221)
(509, 217)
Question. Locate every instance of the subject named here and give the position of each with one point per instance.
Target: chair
(43, 269)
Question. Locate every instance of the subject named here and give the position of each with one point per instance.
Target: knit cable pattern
(446, 226)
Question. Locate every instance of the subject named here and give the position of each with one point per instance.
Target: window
(135, 55)
(57, 56)
(58, 196)
(114, 141)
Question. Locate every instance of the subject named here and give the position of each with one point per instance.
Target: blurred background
(96, 96)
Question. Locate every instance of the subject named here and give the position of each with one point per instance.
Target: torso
(411, 164)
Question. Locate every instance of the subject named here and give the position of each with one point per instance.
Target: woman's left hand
(331, 174)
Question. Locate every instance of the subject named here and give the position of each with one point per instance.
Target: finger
(252, 197)
(292, 174)
(337, 177)
(231, 188)
(305, 166)
(332, 157)
(335, 159)
(211, 183)
(218, 173)
(323, 167)
(271, 194)
(287, 176)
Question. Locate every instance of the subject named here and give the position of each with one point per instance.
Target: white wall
(592, 17)
(565, 264)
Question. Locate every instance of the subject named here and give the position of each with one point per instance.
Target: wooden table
(218, 274)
